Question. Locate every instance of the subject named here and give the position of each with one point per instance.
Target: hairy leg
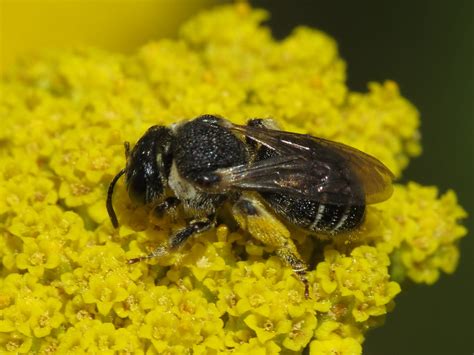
(252, 215)
(179, 238)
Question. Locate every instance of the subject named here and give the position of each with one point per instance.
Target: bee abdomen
(316, 216)
(337, 218)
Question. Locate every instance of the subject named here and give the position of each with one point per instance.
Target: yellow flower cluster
(65, 285)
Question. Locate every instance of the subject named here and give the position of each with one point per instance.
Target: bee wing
(288, 175)
(310, 167)
(375, 177)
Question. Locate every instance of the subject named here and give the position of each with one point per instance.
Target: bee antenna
(110, 207)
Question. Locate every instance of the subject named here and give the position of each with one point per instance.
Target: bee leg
(298, 266)
(263, 123)
(168, 204)
(194, 227)
(177, 239)
(253, 216)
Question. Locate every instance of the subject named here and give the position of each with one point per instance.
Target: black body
(202, 146)
(315, 184)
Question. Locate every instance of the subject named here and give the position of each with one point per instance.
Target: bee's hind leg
(179, 238)
(252, 215)
(298, 266)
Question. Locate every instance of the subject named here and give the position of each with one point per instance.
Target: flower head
(65, 284)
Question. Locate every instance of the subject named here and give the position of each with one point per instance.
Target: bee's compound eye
(148, 165)
(137, 186)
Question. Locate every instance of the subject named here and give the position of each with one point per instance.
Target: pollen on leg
(264, 226)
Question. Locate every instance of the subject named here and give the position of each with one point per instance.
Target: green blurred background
(427, 48)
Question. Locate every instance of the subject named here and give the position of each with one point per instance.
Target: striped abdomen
(316, 216)
(336, 178)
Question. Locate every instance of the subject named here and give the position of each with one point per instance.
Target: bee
(271, 178)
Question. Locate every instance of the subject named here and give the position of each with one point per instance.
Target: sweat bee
(270, 177)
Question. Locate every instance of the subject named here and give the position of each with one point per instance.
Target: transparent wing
(309, 167)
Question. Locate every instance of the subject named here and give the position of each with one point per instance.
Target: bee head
(147, 169)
